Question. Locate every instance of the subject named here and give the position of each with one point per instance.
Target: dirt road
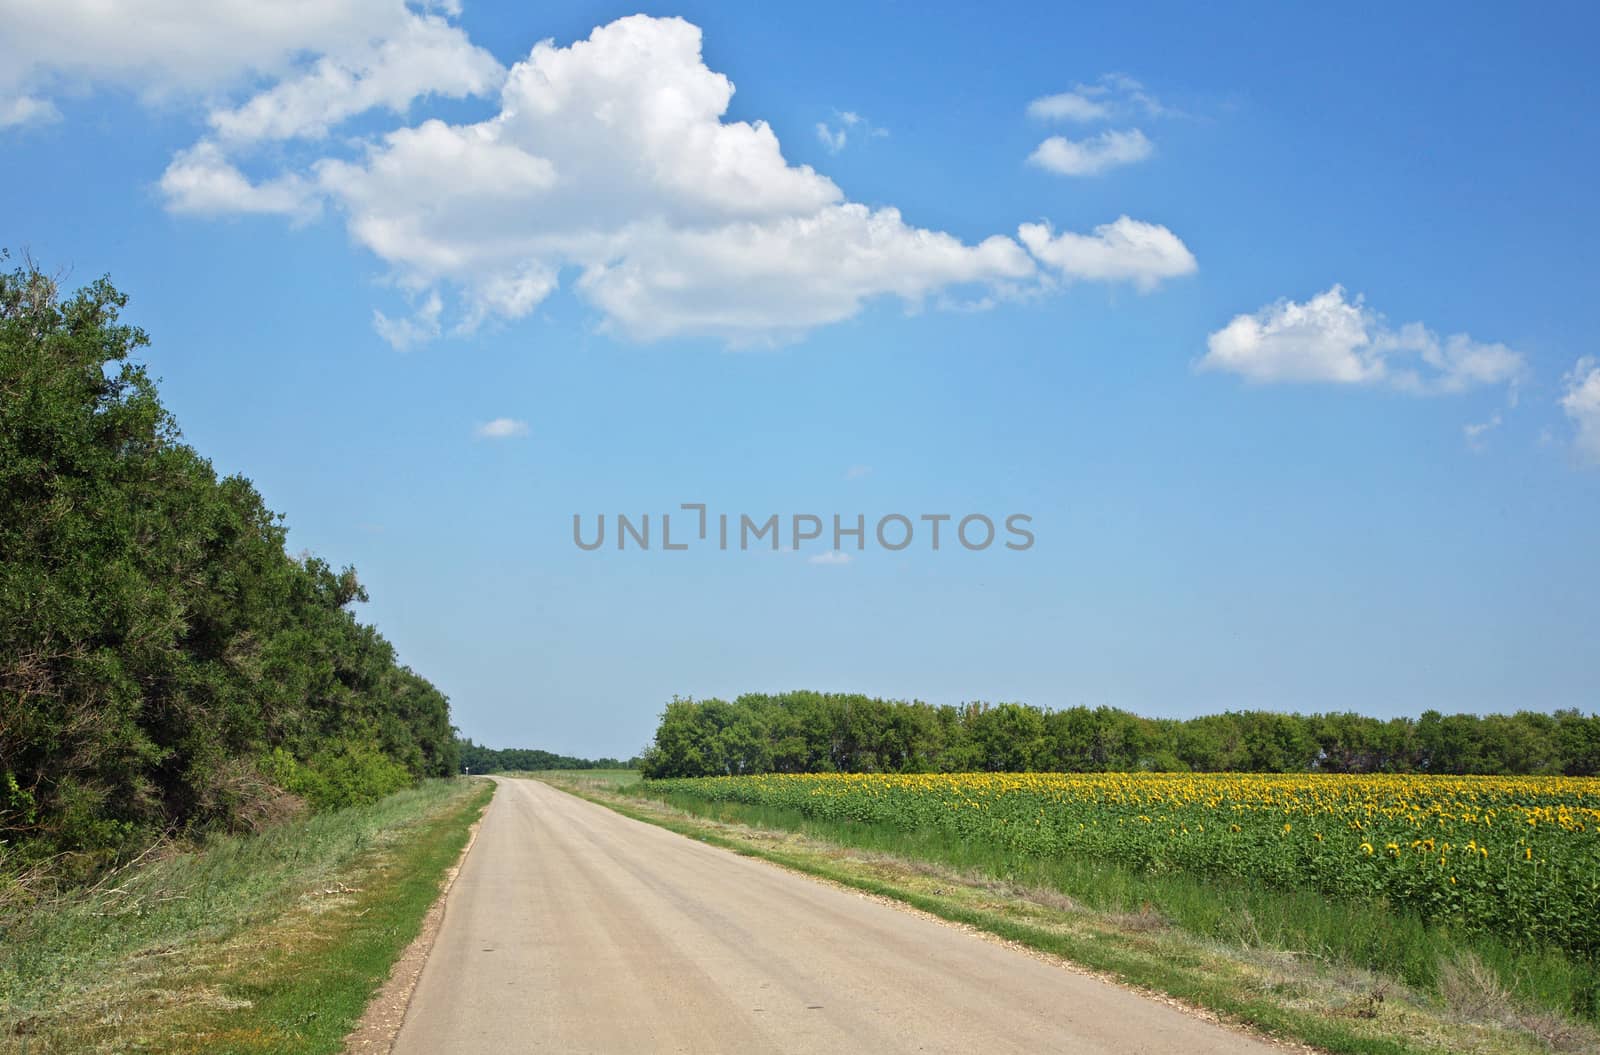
(573, 929)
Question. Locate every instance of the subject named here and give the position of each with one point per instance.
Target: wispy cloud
(833, 139)
(858, 472)
(849, 123)
(27, 110)
(832, 557)
(403, 334)
(1068, 106)
(1477, 434)
(1113, 96)
(501, 429)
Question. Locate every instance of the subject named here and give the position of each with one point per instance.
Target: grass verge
(603, 778)
(262, 944)
(1289, 994)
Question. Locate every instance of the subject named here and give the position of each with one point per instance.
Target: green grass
(610, 778)
(266, 943)
(1260, 958)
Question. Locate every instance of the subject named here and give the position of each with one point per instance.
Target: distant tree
(480, 759)
(808, 732)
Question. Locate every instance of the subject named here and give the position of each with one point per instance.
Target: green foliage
(155, 637)
(479, 759)
(813, 732)
(339, 775)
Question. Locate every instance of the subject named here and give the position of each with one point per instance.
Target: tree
(808, 732)
(164, 663)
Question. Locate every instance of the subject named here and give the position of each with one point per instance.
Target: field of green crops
(1518, 857)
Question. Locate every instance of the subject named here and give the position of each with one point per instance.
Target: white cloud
(27, 110)
(752, 281)
(1068, 106)
(164, 47)
(858, 472)
(202, 181)
(1123, 250)
(608, 168)
(421, 327)
(501, 429)
(1324, 339)
(1476, 433)
(832, 557)
(1089, 157)
(610, 159)
(1113, 95)
(608, 164)
(1333, 340)
(425, 56)
(330, 59)
(1582, 404)
(833, 139)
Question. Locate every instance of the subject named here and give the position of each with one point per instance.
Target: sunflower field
(1516, 856)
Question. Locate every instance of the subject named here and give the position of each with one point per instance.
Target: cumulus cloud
(1334, 340)
(202, 181)
(501, 429)
(610, 161)
(752, 280)
(1092, 156)
(608, 168)
(1124, 250)
(1582, 404)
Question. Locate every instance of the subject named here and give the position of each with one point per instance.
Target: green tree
(158, 646)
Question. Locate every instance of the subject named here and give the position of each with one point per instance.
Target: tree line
(165, 664)
(479, 759)
(814, 732)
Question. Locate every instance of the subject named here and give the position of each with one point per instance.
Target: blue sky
(1279, 325)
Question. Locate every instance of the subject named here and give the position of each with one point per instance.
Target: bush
(350, 773)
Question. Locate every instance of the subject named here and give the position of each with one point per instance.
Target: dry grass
(1146, 919)
(1475, 994)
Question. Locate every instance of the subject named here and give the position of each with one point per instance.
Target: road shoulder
(380, 1024)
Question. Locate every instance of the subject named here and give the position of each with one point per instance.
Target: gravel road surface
(573, 929)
